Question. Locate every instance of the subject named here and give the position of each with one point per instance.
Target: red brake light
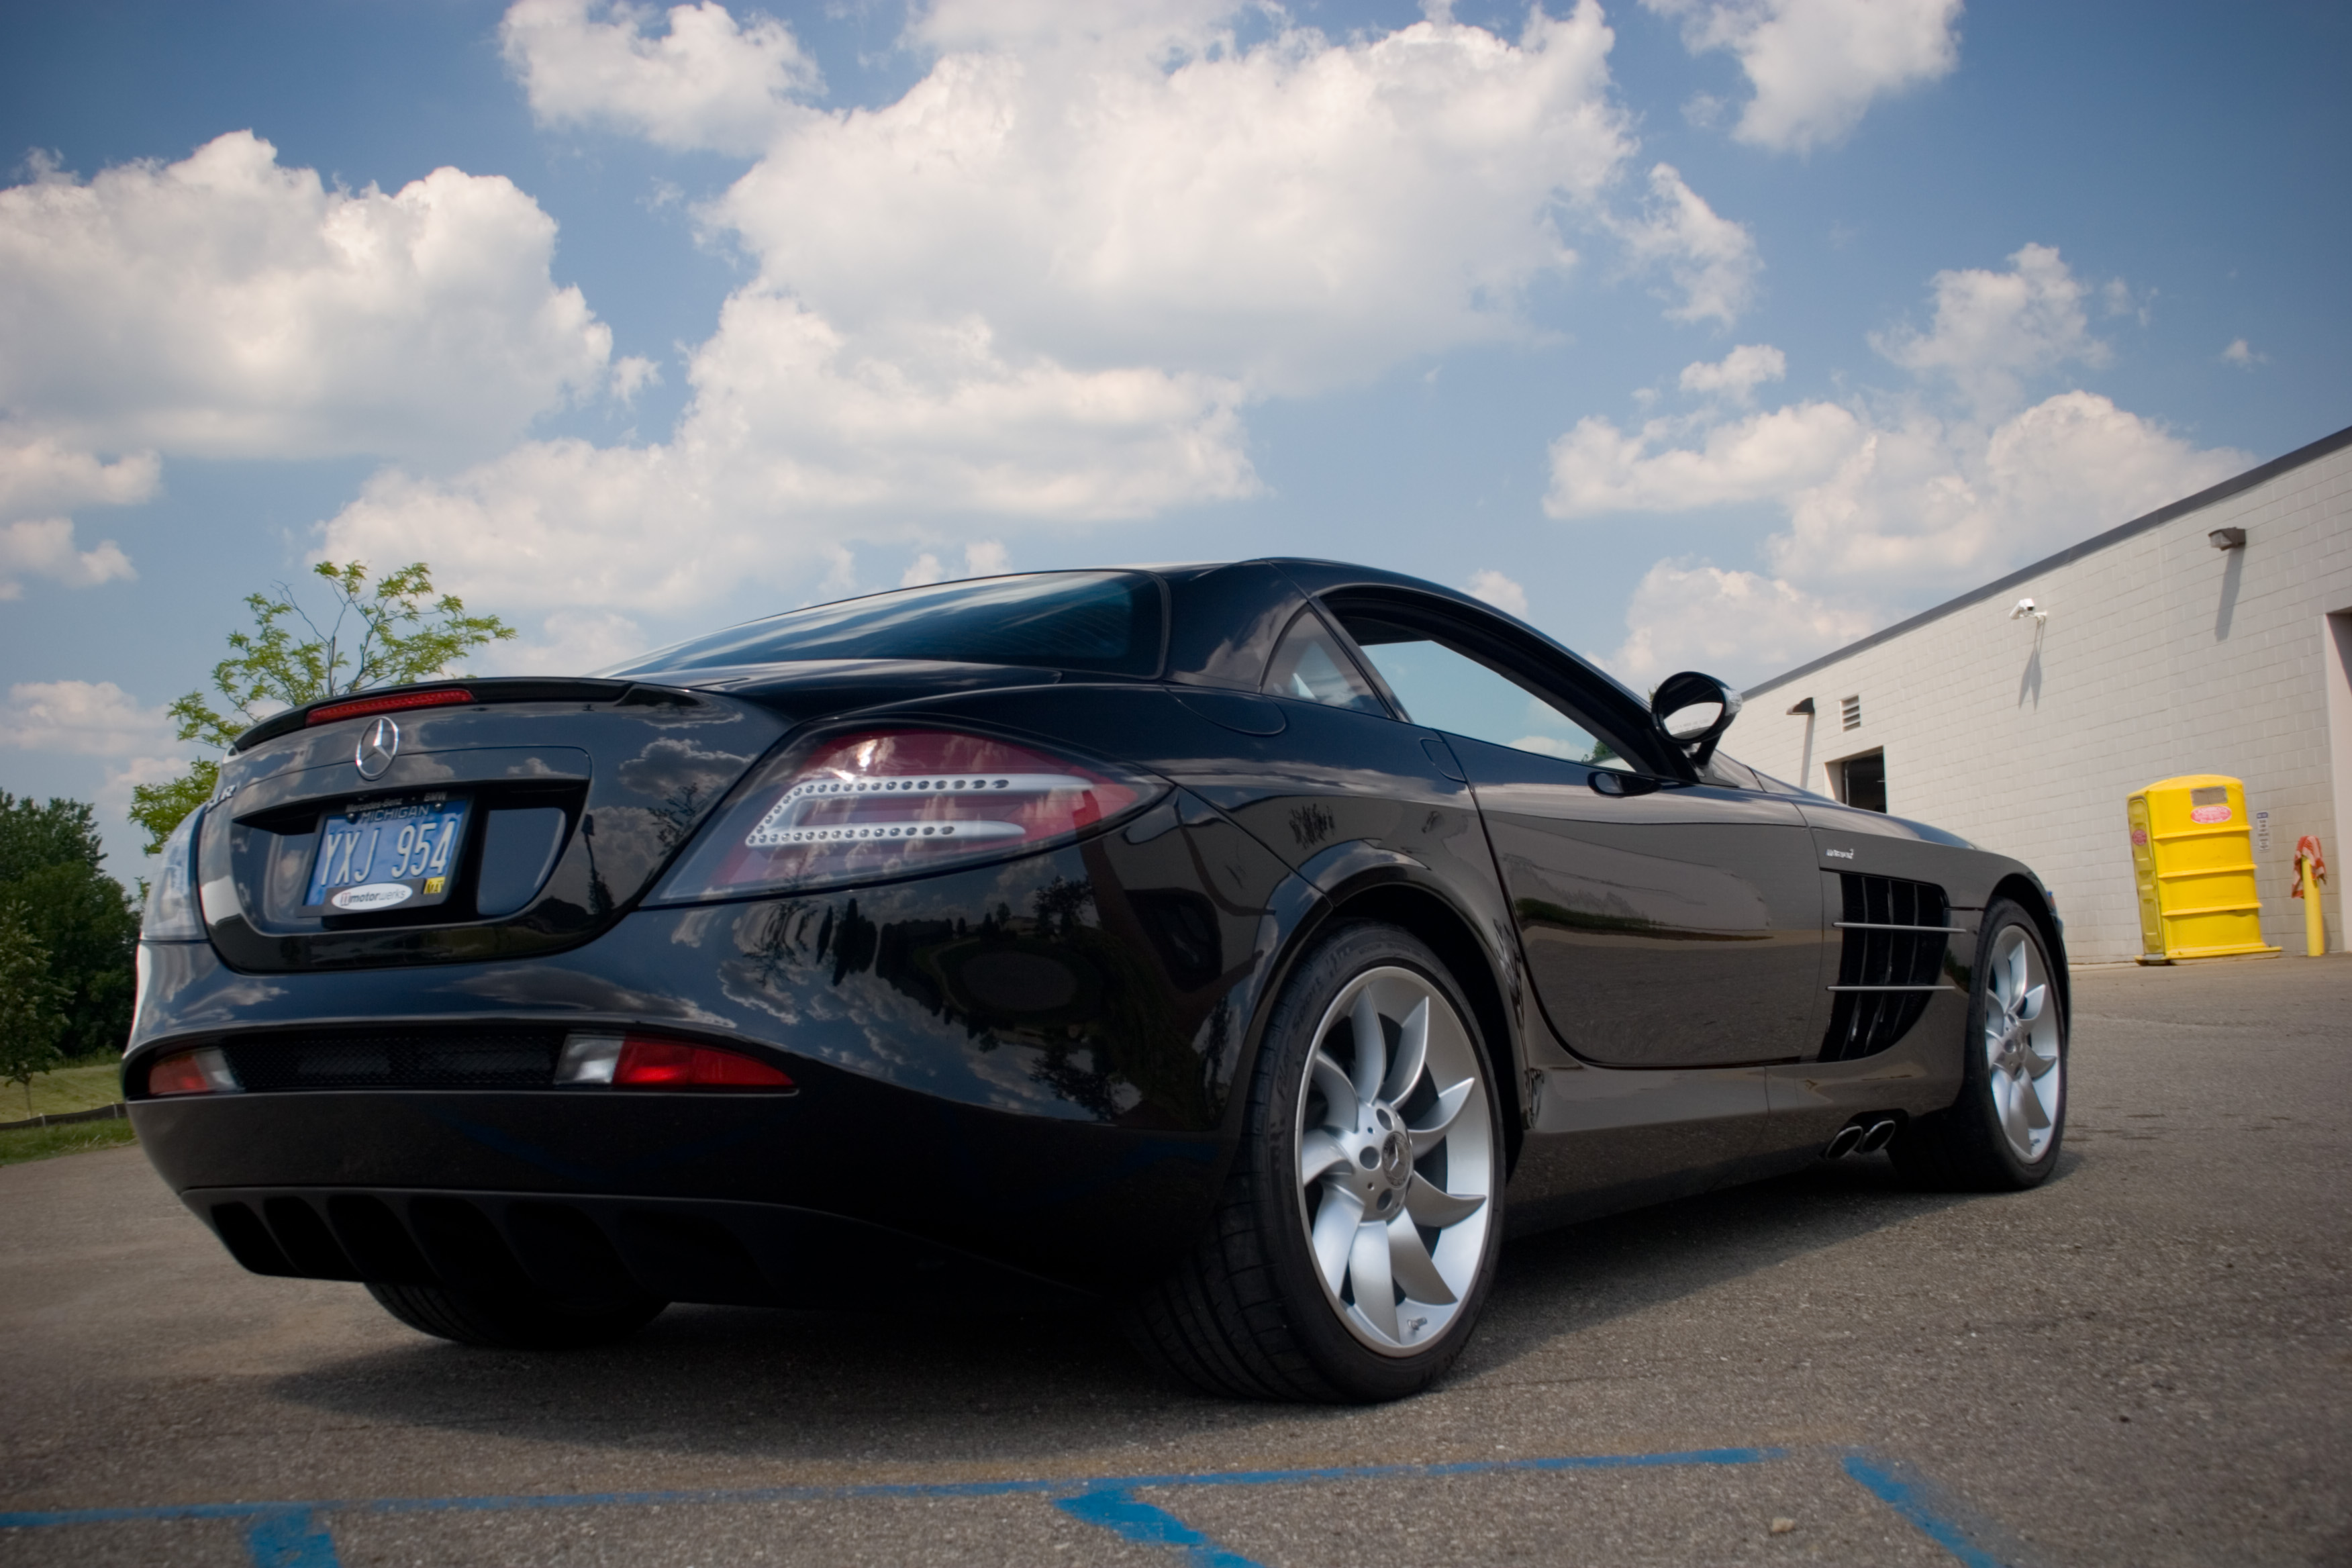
(674, 1064)
(442, 697)
(892, 802)
(203, 1071)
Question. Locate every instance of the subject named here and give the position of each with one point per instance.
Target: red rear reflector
(203, 1071)
(673, 1064)
(445, 697)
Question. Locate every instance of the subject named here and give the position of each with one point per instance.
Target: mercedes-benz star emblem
(376, 749)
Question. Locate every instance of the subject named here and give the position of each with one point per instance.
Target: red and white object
(203, 1071)
(2310, 870)
(887, 803)
(648, 1061)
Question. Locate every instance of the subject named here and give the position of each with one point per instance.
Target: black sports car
(1246, 947)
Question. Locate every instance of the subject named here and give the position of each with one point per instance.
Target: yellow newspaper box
(2193, 854)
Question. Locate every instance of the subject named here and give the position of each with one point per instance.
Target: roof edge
(2091, 546)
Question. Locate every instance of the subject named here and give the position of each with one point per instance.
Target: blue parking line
(294, 1534)
(290, 1537)
(1120, 1511)
(1923, 1505)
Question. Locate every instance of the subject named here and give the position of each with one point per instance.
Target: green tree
(388, 635)
(30, 1015)
(53, 886)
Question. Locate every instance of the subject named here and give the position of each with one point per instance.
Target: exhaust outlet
(1844, 1144)
(1881, 1133)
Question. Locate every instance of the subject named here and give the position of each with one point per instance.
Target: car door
(1666, 920)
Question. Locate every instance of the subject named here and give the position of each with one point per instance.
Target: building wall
(2161, 656)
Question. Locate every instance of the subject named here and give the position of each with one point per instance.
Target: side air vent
(1891, 963)
(397, 1059)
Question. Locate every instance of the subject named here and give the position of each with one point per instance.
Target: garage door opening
(1861, 780)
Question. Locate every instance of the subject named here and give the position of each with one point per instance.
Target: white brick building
(2162, 654)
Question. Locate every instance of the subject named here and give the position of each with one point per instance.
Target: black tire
(1248, 1314)
(511, 1320)
(1966, 1147)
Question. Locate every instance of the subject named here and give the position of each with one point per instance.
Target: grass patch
(62, 1089)
(47, 1142)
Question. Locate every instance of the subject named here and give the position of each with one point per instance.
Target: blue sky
(1702, 333)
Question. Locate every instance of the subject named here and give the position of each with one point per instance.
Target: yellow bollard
(2310, 870)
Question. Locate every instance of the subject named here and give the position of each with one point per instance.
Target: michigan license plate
(400, 855)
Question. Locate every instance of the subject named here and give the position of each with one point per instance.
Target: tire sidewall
(1977, 1092)
(1355, 1369)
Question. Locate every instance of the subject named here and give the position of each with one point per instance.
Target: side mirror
(1693, 710)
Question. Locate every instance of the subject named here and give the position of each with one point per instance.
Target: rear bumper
(593, 1250)
(804, 1184)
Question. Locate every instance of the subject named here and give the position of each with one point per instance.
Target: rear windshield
(1105, 621)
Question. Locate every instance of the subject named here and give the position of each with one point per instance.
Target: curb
(114, 1113)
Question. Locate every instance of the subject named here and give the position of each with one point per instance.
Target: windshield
(1105, 621)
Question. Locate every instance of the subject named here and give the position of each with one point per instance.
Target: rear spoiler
(498, 689)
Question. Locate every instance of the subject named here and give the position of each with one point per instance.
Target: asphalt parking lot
(2149, 1361)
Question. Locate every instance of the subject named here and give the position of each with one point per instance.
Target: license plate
(397, 855)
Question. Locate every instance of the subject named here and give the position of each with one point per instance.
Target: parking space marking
(296, 1534)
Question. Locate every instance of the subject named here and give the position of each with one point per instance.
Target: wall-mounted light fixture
(2228, 538)
(1805, 708)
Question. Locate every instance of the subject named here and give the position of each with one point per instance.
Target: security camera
(2025, 607)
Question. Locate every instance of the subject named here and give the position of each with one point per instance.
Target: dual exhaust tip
(1863, 1135)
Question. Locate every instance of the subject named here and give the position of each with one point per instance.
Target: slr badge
(376, 749)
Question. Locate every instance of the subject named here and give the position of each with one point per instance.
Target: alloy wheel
(2022, 1057)
(1397, 1160)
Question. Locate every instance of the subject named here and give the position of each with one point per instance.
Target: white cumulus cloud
(45, 548)
(1044, 286)
(40, 473)
(82, 718)
(1499, 591)
(227, 306)
(1298, 212)
(571, 642)
(1596, 468)
(1817, 66)
(1994, 329)
(1888, 501)
(792, 428)
(1711, 259)
(702, 80)
(983, 558)
(1738, 373)
(1687, 615)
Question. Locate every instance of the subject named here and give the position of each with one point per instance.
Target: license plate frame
(364, 865)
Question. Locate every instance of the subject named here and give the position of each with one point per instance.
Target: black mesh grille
(398, 1058)
(1863, 1022)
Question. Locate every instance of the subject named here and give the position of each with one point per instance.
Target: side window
(1308, 664)
(1447, 689)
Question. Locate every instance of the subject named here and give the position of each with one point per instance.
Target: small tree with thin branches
(396, 632)
(31, 1016)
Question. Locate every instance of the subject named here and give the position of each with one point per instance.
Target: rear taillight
(645, 1061)
(892, 803)
(203, 1071)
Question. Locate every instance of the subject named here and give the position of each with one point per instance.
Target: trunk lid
(575, 795)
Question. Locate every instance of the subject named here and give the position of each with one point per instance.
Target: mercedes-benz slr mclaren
(1245, 949)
